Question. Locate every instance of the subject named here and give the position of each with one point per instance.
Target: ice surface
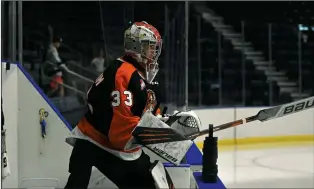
(288, 167)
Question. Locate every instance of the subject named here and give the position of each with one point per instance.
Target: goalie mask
(143, 42)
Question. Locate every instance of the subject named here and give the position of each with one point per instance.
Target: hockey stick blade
(145, 136)
(265, 115)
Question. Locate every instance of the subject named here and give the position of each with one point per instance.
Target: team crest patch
(142, 84)
(151, 100)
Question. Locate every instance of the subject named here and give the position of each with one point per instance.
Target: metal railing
(83, 71)
(87, 81)
(70, 72)
(46, 78)
(76, 74)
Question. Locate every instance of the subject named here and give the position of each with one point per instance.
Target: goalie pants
(125, 174)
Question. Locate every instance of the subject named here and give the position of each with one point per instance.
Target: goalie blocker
(170, 143)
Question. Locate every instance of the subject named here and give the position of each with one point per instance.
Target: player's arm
(128, 104)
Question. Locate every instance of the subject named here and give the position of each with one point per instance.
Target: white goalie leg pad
(161, 176)
(173, 152)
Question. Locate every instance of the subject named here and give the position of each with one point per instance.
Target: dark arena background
(225, 60)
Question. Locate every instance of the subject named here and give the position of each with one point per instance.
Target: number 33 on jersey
(117, 98)
(116, 102)
(126, 91)
(115, 95)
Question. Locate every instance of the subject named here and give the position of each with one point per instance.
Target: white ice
(286, 167)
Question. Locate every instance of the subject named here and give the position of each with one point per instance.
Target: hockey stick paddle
(264, 115)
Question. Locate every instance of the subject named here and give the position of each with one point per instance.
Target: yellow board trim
(261, 142)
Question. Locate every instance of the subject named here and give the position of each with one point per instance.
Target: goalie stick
(264, 115)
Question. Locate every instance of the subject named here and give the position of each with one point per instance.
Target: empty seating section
(233, 83)
(285, 41)
(284, 49)
(81, 29)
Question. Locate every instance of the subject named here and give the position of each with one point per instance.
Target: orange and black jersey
(116, 102)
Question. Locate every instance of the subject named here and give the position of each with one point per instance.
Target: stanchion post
(210, 157)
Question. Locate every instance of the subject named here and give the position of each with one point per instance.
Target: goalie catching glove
(168, 142)
(183, 122)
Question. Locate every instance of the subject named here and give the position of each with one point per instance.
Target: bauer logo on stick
(298, 107)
